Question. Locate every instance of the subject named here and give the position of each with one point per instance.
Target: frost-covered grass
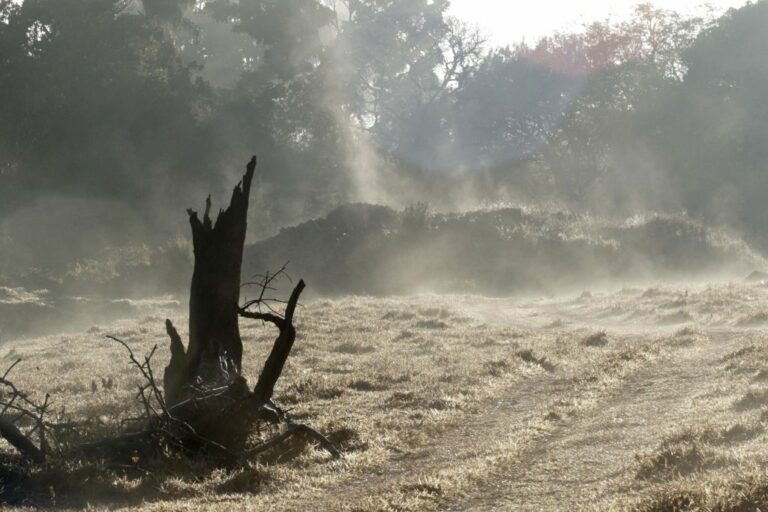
(379, 376)
(449, 402)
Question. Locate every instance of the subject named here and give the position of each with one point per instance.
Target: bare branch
(273, 367)
(14, 436)
(8, 371)
(293, 429)
(146, 370)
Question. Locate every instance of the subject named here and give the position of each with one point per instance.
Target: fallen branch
(292, 430)
(20, 403)
(19, 441)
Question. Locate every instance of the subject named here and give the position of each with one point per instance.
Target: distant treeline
(367, 249)
(136, 109)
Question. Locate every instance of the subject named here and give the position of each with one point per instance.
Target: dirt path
(555, 441)
(592, 459)
(474, 438)
(540, 462)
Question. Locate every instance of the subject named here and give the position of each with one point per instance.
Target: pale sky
(508, 21)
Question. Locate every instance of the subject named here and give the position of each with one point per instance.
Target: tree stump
(204, 389)
(215, 351)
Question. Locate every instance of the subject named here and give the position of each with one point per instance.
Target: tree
(607, 149)
(509, 109)
(394, 67)
(717, 141)
(94, 76)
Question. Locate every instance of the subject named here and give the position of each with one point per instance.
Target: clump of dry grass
(688, 336)
(715, 435)
(367, 385)
(354, 348)
(748, 359)
(438, 312)
(498, 368)
(696, 450)
(672, 460)
(672, 500)
(651, 293)
(596, 339)
(740, 353)
(431, 324)
(677, 317)
(735, 433)
(250, 480)
(755, 319)
(398, 315)
(310, 388)
(752, 399)
(411, 400)
(529, 357)
(723, 493)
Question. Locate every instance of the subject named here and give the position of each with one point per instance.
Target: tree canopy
(139, 102)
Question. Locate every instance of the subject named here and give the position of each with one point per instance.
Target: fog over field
(580, 213)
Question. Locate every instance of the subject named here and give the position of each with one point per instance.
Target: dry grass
(676, 460)
(743, 492)
(450, 403)
(716, 464)
(598, 339)
(380, 387)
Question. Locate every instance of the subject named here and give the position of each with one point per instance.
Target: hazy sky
(508, 21)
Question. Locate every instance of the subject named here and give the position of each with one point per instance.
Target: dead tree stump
(215, 351)
(204, 388)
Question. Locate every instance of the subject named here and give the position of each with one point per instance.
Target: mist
(359, 255)
(399, 151)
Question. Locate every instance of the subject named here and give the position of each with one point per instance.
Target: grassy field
(643, 399)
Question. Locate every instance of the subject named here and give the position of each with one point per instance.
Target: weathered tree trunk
(214, 336)
(215, 349)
